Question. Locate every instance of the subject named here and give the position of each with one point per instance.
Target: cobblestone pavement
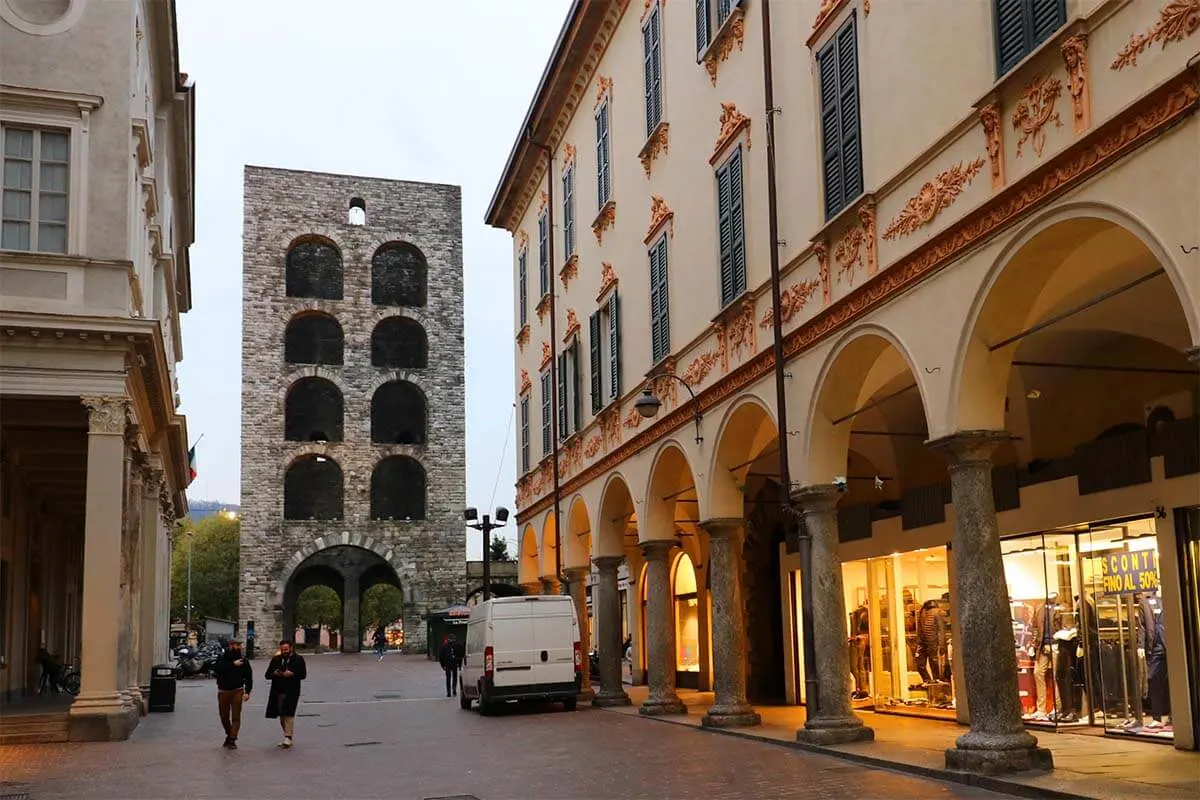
(385, 730)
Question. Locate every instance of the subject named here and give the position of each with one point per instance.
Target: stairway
(33, 728)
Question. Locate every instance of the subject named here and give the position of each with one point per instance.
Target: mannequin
(1066, 654)
(860, 629)
(1154, 646)
(1041, 640)
(932, 635)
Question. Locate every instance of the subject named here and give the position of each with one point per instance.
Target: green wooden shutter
(851, 140)
(568, 183)
(594, 365)
(544, 254)
(703, 32)
(603, 178)
(614, 346)
(522, 290)
(524, 435)
(648, 76)
(562, 395)
(831, 147)
(660, 323)
(546, 413)
(576, 400)
(737, 222)
(723, 9)
(656, 62)
(725, 233)
(1047, 17)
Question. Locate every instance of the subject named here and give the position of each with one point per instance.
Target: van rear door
(554, 633)
(512, 644)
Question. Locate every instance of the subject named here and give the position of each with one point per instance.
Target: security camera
(840, 482)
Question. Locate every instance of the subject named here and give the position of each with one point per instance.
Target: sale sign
(1126, 573)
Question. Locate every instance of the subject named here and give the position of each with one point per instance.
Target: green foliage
(500, 550)
(214, 544)
(319, 606)
(382, 604)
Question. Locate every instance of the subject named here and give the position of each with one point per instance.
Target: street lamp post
(648, 404)
(487, 526)
(188, 607)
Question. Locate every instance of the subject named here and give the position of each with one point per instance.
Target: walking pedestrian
(451, 658)
(285, 672)
(235, 679)
(380, 642)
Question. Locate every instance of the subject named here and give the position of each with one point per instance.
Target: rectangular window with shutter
(660, 320)
(605, 348)
(568, 185)
(574, 386)
(841, 142)
(563, 430)
(35, 191)
(543, 255)
(612, 316)
(524, 435)
(652, 68)
(1022, 25)
(522, 290)
(546, 411)
(596, 361)
(603, 153)
(710, 16)
(731, 228)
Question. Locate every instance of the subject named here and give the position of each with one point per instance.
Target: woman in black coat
(285, 672)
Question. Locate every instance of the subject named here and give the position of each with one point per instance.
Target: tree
(317, 607)
(382, 604)
(214, 542)
(500, 550)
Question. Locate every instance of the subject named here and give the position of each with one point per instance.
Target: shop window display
(687, 624)
(908, 593)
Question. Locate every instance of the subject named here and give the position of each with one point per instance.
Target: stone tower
(353, 441)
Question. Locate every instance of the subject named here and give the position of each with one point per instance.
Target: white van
(522, 648)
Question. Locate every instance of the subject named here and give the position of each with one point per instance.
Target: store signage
(1125, 573)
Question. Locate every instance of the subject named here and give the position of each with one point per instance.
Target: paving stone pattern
(280, 206)
(386, 730)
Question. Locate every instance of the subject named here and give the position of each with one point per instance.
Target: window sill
(657, 142)
(733, 307)
(731, 32)
(1022, 68)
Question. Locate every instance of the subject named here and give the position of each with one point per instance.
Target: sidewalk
(1087, 766)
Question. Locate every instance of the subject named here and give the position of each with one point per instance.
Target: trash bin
(162, 688)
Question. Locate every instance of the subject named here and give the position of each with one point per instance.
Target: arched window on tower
(313, 411)
(358, 211)
(399, 343)
(398, 489)
(399, 276)
(313, 339)
(312, 489)
(398, 414)
(314, 269)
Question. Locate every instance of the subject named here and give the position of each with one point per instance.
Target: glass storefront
(1087, 628)
(687, 624)
(900, 637)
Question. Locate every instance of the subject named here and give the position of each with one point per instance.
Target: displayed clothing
(1065, 661)
(932, 636)
(860, 627)
(1156, 667)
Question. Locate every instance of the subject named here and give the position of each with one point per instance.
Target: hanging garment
(1156, 667)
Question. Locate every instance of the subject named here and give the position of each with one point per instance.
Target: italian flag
(192, 464)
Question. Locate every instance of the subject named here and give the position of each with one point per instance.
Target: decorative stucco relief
(737, 334)
(523, 337)
(543, 201)
(107, 414)
(568, 156)
(698, 370)
(791, 301)
(543, 307)
(657, 143)
(526, 383)
(1177, 20)
(569, 270)
(608, 280)
(649, 4)
(1075, 56)
(572, 325)
(547, 355)
(989, 117)
(610, 426)
(847, 254)
(933, 198)
(522, 241)
(593, 446)
(733, 122)
(867, 215)
(604, 220)
(823, 270)
(633, 419)
(604, 86)
(571, 456)
(660, 216)
(732, 32)
(1035, 110)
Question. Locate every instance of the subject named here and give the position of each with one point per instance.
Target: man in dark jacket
(234, 682)
(285, 672)
(451, 658)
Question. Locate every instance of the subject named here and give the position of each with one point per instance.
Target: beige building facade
(98, 128)
(986, 220)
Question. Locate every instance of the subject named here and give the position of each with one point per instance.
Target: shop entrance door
(1187, 535)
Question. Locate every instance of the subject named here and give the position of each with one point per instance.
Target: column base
(101, 718)
(836, 730)
(733, 716)
(658, 707)
(999, 762)
(586, 696)
(606, 699)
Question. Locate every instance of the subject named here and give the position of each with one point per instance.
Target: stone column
(351, 596)
(578, 582)
(730, 708)
(551, 585)
(532, 587)
(997, 741)
(147, 619)
(100, 712)
(660, 631)
(131, 573)
(829, 720)
(607, 604)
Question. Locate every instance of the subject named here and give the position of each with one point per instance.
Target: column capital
(657, 549)
(817, 497)
(723, 527)
(107, 415)
(576, 573)
(1193, 354)
(970, 447)
(608, 563)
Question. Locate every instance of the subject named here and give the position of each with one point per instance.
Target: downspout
(558, 571)
(790, 515)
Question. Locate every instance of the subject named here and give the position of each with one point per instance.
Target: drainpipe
(558, 570)
(790, 515)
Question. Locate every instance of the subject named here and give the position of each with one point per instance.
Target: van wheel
(464, 702)
(569, 703)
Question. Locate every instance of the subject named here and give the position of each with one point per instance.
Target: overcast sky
(412, 90)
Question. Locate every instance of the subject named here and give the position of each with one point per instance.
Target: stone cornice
(1139, 124)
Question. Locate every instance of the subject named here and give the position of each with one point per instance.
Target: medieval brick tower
(353, 441)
